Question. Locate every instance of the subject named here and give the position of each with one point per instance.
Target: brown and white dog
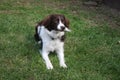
(50, 32)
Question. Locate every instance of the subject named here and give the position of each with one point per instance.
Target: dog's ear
(47, 22)
(67, 25)
(67, 22)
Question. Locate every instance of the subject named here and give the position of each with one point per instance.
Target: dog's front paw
(63, 65)
(49, 66)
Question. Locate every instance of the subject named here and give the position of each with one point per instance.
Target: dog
(50, 33)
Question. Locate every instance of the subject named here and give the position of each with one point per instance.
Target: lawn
(92, 48)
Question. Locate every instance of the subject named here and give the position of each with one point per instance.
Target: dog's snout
(62, 27)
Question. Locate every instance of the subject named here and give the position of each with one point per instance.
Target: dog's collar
(52, 38)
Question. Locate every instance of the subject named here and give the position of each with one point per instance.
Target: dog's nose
(62, 27)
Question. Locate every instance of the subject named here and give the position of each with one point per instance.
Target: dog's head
(56, 22)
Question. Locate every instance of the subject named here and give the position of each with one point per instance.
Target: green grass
(92, 51)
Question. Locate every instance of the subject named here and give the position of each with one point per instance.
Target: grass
(92, 51)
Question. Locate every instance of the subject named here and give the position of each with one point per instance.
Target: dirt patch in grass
(100, 14)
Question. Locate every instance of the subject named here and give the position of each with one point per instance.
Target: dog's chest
(53, 45)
